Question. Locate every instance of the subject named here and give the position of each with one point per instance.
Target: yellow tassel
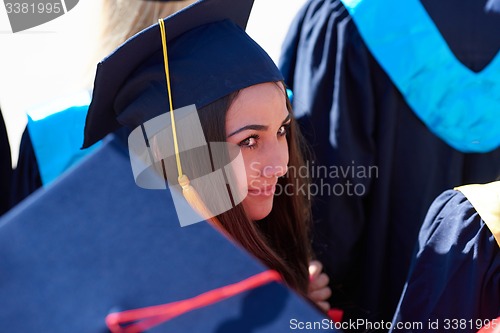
(188, 191)
(194, 200)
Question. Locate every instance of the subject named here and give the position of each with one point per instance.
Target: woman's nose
(276, 163)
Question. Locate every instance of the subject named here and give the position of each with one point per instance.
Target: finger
(319, 282)
(315, 268)
(321, 294)
(325, 306)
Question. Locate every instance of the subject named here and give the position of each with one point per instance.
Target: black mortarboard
(209, 56)
(94, 243)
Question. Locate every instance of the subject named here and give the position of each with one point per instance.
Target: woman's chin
(257, 211)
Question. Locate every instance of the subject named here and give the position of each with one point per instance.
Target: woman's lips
(265, 191)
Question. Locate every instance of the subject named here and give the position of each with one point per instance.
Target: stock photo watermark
(438, 325)
(218, 173)
(312, 180)
(26, 14)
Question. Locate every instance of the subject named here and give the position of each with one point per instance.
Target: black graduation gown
(454, 280)
(26, 178)
(365, 238)
(5, 167)
(56, 133)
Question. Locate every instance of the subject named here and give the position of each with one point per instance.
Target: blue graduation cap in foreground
(94, 244)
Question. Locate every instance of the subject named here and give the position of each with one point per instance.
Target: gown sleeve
(455, 276)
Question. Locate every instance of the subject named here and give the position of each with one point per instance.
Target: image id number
(40, 8)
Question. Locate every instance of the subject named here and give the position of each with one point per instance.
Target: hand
(319, 292)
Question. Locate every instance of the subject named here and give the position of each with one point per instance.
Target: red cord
(336, 315)
(139, 320)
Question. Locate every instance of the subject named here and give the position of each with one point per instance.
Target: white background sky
(45, 62)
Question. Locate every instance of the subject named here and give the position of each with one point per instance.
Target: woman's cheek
(236, 173)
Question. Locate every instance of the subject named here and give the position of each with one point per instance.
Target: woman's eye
(283, 130)
(250, 142)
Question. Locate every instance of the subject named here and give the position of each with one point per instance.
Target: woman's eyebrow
(287, 119)
(249, 127)
(256, 127)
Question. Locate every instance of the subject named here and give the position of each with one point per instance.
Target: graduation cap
(94, 246)
(209, 56)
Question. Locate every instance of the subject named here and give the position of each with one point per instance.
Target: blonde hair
(121, 19)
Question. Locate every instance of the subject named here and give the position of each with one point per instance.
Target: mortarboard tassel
(188, 191)
(194, 200)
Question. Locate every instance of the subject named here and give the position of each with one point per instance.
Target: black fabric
(26, 177)
(5, 168)
(455, 273)
(366, 240)
(470, 29)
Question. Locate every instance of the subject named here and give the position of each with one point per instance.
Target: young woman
(238, 91)
(275, 228)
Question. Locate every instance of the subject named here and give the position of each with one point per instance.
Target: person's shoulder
(453, 274)
(460, 215)
(56, 132)
(485, 198)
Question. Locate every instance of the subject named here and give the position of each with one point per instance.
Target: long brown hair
(281, 240)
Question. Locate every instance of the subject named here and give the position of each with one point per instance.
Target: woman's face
(258, 121)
